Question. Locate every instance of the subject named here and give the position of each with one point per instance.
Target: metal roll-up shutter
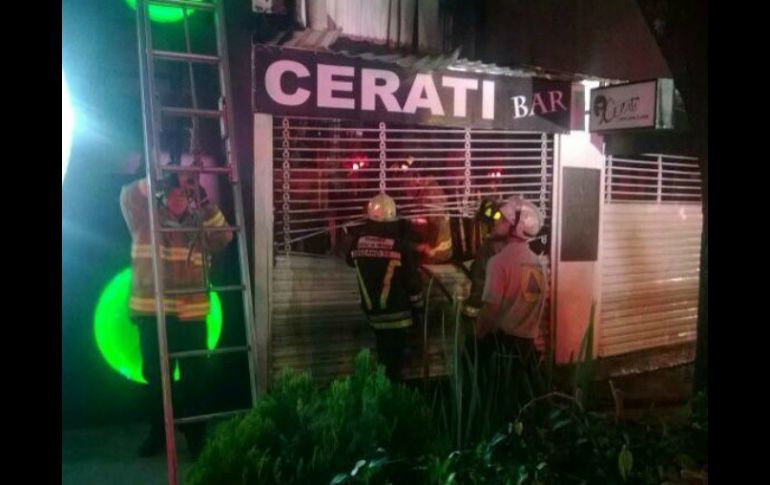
(324, 173)
(651, 235)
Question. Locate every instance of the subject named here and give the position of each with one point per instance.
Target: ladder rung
(191, 112)
(185, 57)
(166, 168)
(186, 291)
(198, 229)
(183, 3)
(195, 291)
(228, 288)
(196, 353)
(206, 417)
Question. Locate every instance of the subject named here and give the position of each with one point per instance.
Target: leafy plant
(300, 434)
(488, 424)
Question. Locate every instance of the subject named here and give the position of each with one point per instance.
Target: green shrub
(364, 429)
(300, 434)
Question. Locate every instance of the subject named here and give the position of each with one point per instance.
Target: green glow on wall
(118, 339)
(164, 14)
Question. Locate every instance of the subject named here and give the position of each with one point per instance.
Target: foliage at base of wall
(364, 429)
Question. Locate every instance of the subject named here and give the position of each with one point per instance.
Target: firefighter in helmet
(390, 284)
(514, 288)
(491, 244)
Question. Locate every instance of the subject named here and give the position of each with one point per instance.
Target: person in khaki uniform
(514, 290)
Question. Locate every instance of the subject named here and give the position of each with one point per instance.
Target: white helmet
(523, 216)
(381, 208)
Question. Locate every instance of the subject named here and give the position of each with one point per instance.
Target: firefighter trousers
(189, 393)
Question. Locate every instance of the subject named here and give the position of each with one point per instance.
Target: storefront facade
(331, 131)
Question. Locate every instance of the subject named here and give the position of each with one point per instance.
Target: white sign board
(638, 105)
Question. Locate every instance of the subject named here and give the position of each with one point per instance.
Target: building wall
(577, 282)
(605, 38)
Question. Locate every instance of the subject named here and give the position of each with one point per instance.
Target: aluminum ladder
(153, 113)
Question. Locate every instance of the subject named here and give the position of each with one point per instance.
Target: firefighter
(390, 284)
(182, 203)
(514, 289)
(491, 244)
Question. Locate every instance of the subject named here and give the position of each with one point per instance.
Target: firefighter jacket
(489, 247)
(387, 274)
(181, 253)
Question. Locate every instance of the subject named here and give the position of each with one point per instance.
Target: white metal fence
(651, 234)
(653, 178)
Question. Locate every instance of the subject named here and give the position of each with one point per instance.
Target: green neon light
(118, 339)
(165, 14)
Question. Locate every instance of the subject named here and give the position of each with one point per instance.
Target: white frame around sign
(658, 113)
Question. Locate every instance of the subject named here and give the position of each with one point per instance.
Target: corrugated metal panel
(318, 325)
(312, 39)
(335, 41)
(650, 270)
(316, 321)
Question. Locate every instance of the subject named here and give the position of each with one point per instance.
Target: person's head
(381, 208)
(185, 182)
(188, 181)
(520, 219)
(176, 201)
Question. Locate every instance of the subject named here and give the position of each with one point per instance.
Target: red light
(357, 162)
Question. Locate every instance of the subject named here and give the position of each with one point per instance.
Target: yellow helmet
(381, 208)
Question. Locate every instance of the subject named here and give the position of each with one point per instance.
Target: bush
(366, 430)
(300, 434)
(561, 443)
